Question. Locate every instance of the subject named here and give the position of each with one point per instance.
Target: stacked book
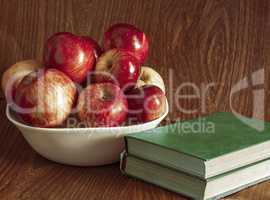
(206, 158)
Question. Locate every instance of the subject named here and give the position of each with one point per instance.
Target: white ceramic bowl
(80, 146)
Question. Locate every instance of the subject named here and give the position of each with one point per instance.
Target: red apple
(73, 55)
(102, 105)
(97, 53)
(97, 49)
(119, 67)
(14, 74)
(149, 76)
(45, 98)
(146, 103)
(128, 37)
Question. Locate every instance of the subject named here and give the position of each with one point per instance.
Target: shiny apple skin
(70, 54)
(14, 74)
(96, 48)
(97, 53)
(146, 103)
(118, 67)
(102, 105)
(128, 37)
(45, 98)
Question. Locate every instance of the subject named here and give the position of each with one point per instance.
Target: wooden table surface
(191, 42)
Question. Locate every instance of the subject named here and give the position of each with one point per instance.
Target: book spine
(123, 161)
(126, 144)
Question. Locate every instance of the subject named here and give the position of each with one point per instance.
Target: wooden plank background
(199, 42)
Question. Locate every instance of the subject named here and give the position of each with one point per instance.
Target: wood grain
(192, 41)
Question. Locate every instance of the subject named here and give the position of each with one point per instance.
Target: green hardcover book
(206, 146)
(194, 187)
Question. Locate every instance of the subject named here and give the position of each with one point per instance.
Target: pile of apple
(104, 87)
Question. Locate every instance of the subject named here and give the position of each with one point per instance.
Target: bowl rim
(20, 124)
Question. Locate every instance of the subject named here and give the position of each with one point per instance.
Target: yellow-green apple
(71, 54)
(14, 74)
(146, 103)
(149, 76)
(45, 98)
(102, 105)
(128, 37)
(118, 67)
